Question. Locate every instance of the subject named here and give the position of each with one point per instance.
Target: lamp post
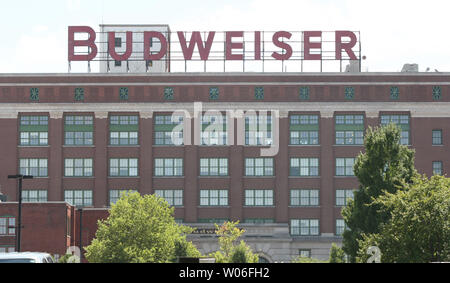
(20, 177)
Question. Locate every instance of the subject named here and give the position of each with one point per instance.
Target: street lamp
(20, 177)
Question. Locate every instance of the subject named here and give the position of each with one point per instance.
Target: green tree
(419, 228)
(337, 255)
(139, 229)
(230, 249)
(386, 166)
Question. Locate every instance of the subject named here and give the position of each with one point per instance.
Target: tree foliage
(337, 255)
(419, 227)
(230, 249)
(140, 229)
(386, 166)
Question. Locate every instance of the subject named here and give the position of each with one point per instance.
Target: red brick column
(101, 139)
(55, 160)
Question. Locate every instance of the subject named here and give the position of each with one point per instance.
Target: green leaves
(140, 229)
(230, 251)
(385, 166)
(419, 227)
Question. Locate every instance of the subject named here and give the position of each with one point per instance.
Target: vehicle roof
(34, 255)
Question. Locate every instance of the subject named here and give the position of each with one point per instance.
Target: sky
(393, 32)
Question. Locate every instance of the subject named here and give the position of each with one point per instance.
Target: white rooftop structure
(136, 62)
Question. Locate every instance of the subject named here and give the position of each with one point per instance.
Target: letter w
(196, 39)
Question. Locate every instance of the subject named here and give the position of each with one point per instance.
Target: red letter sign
(162, 52)
(346, 46)
(308, 45)
(276, 41)
(230, 45)
(196, 39)
(112, 49)
(90, 42)
(257, 45)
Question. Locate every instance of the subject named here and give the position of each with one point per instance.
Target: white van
(26, 257)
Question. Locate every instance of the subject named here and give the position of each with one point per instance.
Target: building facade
(87, 137)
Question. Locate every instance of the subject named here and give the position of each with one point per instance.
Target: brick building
(86, 137)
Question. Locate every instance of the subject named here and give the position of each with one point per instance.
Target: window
(168, 130)
(7, 249)
(78, 130)
(401, 121)
(437, 167)
(34, 196)
(258, 130)
(259, 220)
(304, 129)
(304, 167)
(304, 227)
(259, 166)
(304, 197)
(123, 167)
(214, 130)
(168, 167)
(213, 166)
(123, 130)
(173, 197)
(343, 195)
(213, 197)
(344, 166)
(114, 195)
(37, 167)
(78, 167)
(78, 197)
(304, 253)
(349, 129)
(258, 197)
(218, 221)
(437, 137)
(7, 225)
(33, 130)
(340, 227)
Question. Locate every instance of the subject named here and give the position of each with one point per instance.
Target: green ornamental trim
(168, 93)
(213, 93)
(349, 93)
(34, 94)
(259, 93)
(304, 93)
(79, 94)
(437, 92)
(395, 92)
(123, 93)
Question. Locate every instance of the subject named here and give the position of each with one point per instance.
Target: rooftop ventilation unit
(410, 68)
(353, 67)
